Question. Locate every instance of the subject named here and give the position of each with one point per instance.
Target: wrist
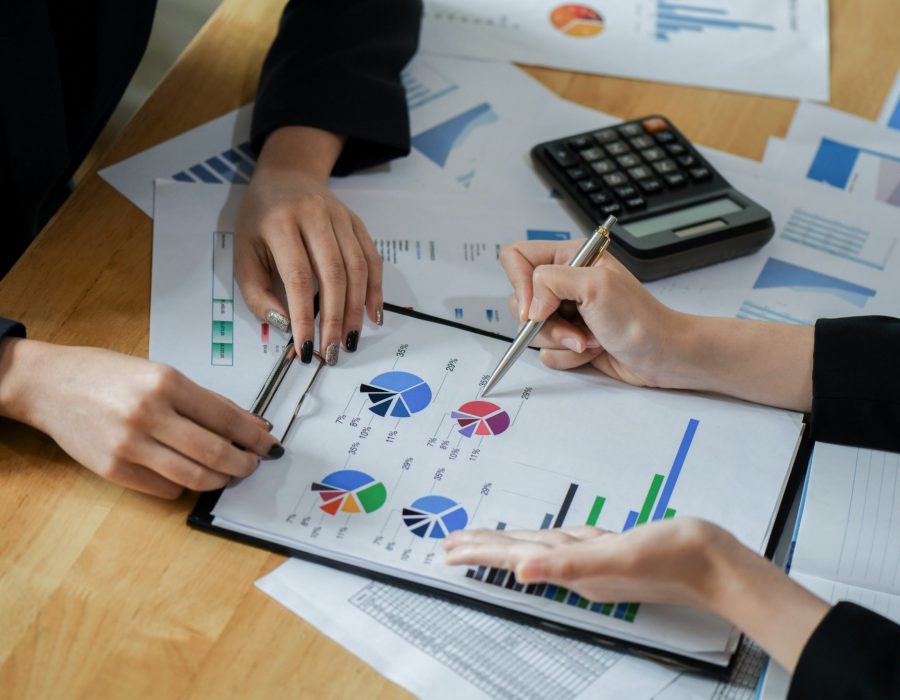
(301, 150)
(23, 364)
(679, 348)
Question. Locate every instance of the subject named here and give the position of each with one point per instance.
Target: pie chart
(481, 418)
(397, 394)
(350, 491)
(577, 20)
(434, 517)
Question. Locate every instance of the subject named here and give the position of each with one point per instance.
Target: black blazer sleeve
(10, 328)
(854, 653)
(336, 66)
(856, 382)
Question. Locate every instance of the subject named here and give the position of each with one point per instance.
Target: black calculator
(675, 211)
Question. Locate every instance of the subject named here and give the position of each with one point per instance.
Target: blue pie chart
(397, 394)
(434, 517)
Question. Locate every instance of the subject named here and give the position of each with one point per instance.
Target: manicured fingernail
(306, 351)
(572, 344)
(267, 422)
(331, 353)
(275, 451)
(279, 320)
(352, 341)
(379, 316)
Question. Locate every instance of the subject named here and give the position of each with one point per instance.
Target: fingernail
(279, 320)
(331, 353)
(592, 343)
(267, 422)
(572, 344)
(534, 311)
(306, 351)
(379, 316)
(352, 341)
(275, 451)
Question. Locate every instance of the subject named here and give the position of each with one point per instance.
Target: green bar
(607, 608)
(631, 612)
(583, 602)
(651, 499)
(595, 511)
(561, 594)
(670, 513)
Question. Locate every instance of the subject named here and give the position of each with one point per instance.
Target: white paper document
(770, 48)
(841, 150)
(442, 650)
(848, 539)
(445, 651)
(833, 254)
(472, 126)
(440, 257)
(392, 452)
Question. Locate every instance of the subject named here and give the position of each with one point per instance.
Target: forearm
(768, 363)
(22, 365)
(301, 149)
(755, 596)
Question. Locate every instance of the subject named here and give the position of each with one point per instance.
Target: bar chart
(674, 17)
(223, 299)
(655, 506)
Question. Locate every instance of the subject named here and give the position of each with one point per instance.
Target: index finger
(225, 418)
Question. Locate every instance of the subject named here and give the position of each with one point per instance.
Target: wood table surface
(107, 593)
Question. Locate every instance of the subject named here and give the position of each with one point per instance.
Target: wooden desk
(106, 593)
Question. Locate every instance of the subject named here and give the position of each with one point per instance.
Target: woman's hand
(291, 227)
(133, 422)
(597, 315)
(683, 561)
(603, 316)
(668, 562)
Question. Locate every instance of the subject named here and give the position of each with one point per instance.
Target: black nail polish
(306, 351)
(352, 341)
(276, 451)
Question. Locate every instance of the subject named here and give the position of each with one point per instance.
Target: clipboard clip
(273, 383)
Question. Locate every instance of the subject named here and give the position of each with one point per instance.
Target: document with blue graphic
(769, 48)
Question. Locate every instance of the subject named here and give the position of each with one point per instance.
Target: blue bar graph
(540, 235)
(232, 166)
(675, 471)
(674, 17)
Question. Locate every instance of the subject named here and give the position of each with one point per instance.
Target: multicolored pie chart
(350, 491)
(481, 418)
(577, 20)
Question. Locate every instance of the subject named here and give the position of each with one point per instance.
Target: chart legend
(434, 517)
(481, 418)
(397, 394)
(350, 491)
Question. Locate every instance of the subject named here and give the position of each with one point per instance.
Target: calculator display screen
(674, 220)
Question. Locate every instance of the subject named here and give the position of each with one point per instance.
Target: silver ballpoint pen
(589, 253)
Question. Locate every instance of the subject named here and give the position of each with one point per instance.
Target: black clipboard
(201, 518)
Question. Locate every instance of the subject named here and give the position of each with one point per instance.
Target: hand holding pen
(591, 251)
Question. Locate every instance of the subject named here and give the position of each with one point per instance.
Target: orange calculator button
(655, 124)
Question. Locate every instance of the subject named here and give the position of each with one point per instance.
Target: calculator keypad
(628, 168)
